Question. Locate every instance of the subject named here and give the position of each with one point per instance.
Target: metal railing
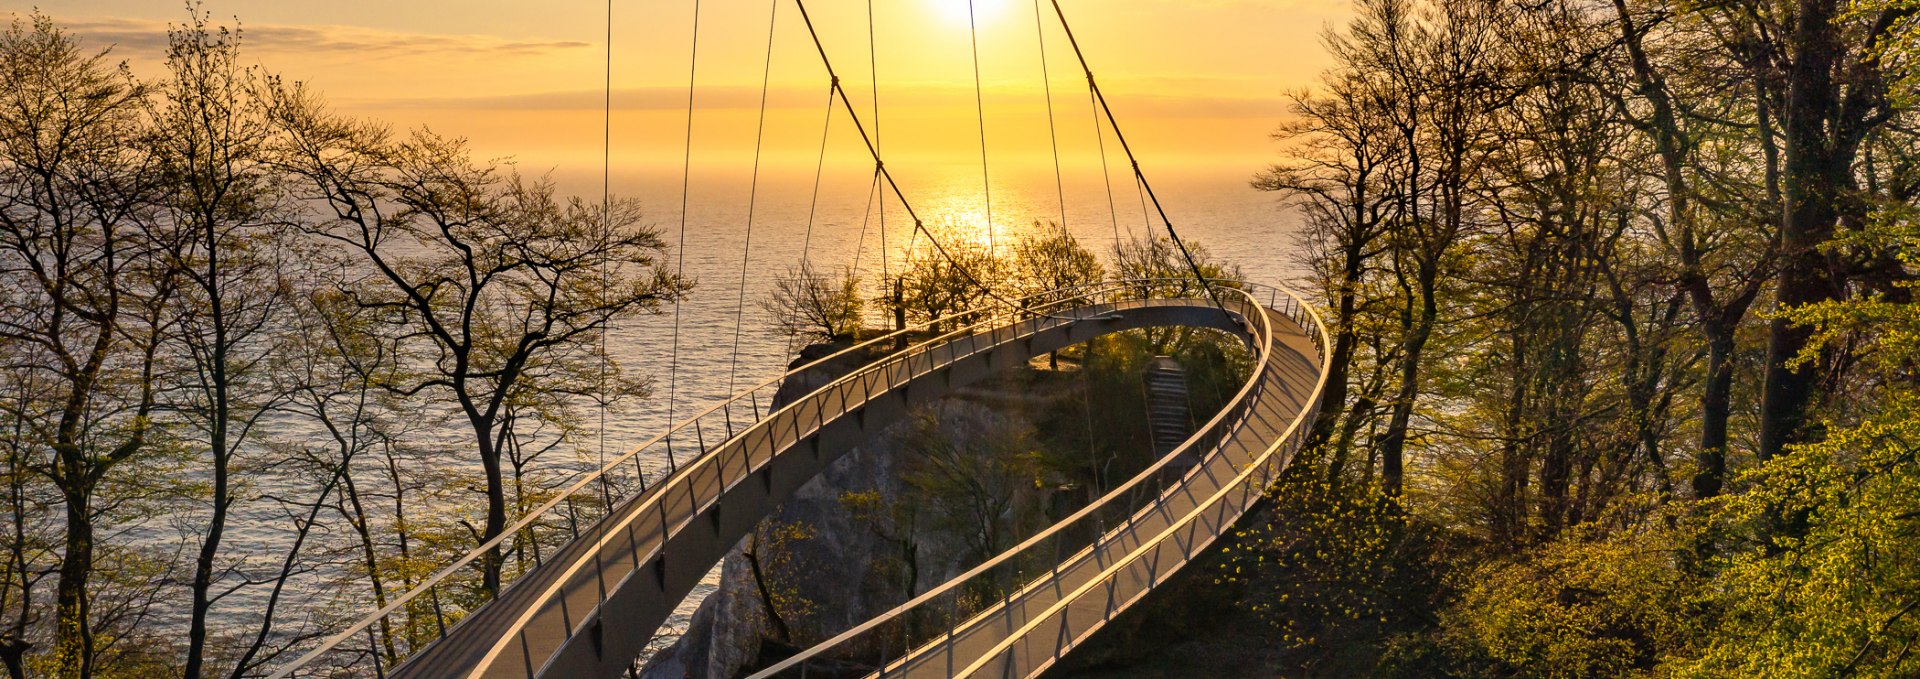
(936, 618)
(1127, 579)
(716, 448)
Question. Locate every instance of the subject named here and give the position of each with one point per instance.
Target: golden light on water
(959, 215)
(962, 215)
(970, 224)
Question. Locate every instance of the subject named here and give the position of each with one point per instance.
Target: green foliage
(1610, 606)
(1335, 568)
(1899, 51)
(1051, 259)
(1839, 601)
(942, 280)
(970, 481)
(1159, 259)
(1839, 597)
(1098, 436)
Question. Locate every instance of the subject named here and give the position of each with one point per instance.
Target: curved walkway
(589, 610)
(1023, 629)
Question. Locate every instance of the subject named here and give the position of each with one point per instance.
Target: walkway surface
(1039, 622)
(1289, 383)
(640, 561)
(591, 607)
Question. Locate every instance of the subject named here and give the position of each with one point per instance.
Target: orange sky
(1196, 83)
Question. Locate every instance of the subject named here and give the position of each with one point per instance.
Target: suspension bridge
(645, 526)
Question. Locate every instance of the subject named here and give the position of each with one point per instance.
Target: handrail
(559, 584)
(1265, 337)
(980, 318)
(876, 626)
(1262, 464)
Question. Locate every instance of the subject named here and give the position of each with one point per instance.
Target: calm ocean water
(1222, 212)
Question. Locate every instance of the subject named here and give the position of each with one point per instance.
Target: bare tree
(209, 136)
(83, 286)
(1337, 175)
(813, 306)
(500, 286)
(934, 284)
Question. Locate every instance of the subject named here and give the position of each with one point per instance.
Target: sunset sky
(1196, 83)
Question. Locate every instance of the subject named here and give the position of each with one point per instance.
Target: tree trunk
(1715, 409)
(1333, 401)
(357, 519)
(13, 654)
(491, 564)
(1393, 442)
(222, 459)
(73, 626)
(1812, 176)
(782, 633)
(1516, 461)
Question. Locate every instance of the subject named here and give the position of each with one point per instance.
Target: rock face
(836, 553)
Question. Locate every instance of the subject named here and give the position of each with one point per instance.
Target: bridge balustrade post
(640, 476)
(953, 621)
(439, 615)
(1153, 567)
(573, 520)
(693, 503)
(566, 616)
(526, 655)
(633, 545)
(1060, 639)
(373, 651)
(660, 509)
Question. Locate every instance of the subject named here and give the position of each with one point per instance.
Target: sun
(956, 11)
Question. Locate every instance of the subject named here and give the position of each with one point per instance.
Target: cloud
(924, 96)
(624, 99)
(149, 37)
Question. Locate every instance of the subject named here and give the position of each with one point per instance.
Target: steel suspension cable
(1146, 218)
(873, 79)
(1053, 133)
(866, 217)
(680, 254)
(980, 116)
(606, 236)
(919, 227)
(1100, 136)
(606, 227)
(753, 195)
(1134, 161)
(813, 204)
